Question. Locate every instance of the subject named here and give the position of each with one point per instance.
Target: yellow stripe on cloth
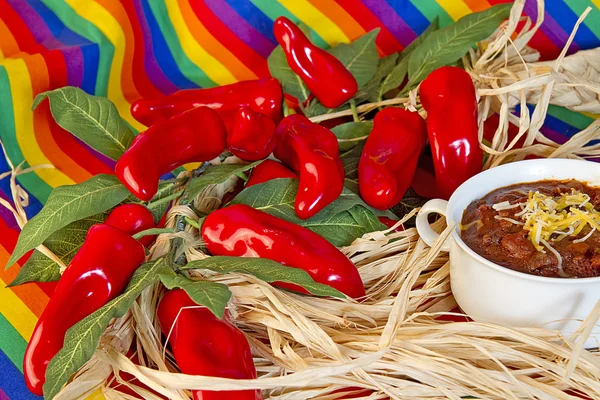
(317, 21)
(22, 97)
(456, 9)
(196, 53)
(109, 26)
(15, 311)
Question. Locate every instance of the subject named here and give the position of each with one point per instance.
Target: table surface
(142, 48)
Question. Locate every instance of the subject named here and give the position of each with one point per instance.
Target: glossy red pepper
(311, 151)
(448, 96)
(390, 156)
(97, 274)
(131, 219)
(267, 170)
(262, 95)
(324, 75)
(204, 345)
(194, 136)
(242, 231)
(252, 136)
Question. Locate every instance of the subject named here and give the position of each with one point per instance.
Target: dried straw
(398, 342)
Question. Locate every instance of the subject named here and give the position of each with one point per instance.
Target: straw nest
(393, 343)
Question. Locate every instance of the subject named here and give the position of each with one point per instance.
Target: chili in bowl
(525, 248)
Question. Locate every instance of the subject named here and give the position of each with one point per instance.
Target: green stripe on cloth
(11, 343)
(30, 182)
(572, 118)
(88, 30)
(274, 9)
(186, 66)
(430, 9)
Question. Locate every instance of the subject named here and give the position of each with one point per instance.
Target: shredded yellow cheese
(552, 218)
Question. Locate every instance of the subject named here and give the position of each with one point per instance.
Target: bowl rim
(511, 272)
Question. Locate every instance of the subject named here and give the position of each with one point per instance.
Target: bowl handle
(429, 236)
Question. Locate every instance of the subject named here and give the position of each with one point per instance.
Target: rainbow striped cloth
(135, 48)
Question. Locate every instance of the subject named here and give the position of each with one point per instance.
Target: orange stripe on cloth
(40, 82)
(8, 44)
(211, 45)
(477, 5)
(13, 307)
(343, 19)
(116, 10)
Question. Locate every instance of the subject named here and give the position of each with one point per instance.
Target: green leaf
(447, 45)
(359, 57)
(211, 295)
(350, 161)
(68, 204)
(38, 268)
(349, 133)
(366, 219)
(93, 119)
(371, 89)
(276, 197)
(266, 270)
(160, 202)
(214, 175)
(64, 243)
(82, 338)
(290, 82)
(398, 73)
(343, 228)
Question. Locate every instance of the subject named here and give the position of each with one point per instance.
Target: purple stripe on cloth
(551, 28)
(151, 67)
(36, 24)
(395, 24)
(74, 61)
(240, 27)
(8, 217)
(3, 396)
(72, 54)
(554, 135)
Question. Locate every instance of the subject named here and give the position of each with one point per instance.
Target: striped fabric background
(134, 48)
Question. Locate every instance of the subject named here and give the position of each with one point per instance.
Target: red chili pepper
(240, 230)
(267, 170)
(196, 135)
(205, 345)
(131, 219)
(311, 151)
(262, 95)
(390, 156)
(324, 75)
(448, 96)
(252, 136)
(97, 274)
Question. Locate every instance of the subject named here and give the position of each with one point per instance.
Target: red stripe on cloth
(143, 84)
(386, 42)
(30, 294)
(19, 29)
(250, 58)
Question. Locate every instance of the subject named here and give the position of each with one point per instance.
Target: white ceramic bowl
(491, 293)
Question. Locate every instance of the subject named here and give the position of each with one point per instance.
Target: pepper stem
(152, 231)
(242, 176)
(354, 112)
(286, 109)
